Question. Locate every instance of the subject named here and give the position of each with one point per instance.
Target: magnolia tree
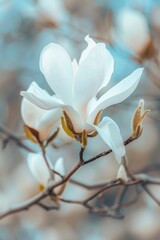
(76, 108)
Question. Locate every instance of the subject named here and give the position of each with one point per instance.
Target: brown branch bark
(8, 136)
(138, 179)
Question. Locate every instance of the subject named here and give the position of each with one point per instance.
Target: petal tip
(89, 40)
(22, 93)
(140, 70)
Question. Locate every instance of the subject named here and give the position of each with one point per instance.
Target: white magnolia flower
(45, 122)
(76, 86)
(40, 171)
(132, 30)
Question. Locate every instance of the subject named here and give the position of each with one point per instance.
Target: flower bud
(137, 120)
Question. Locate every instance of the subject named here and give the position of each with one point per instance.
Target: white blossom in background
(76, 86)
(54, 9)
(40, 171)
(132, 30)
(45, 122)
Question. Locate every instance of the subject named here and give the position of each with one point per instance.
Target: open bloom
(76, 86)
(40, 171)
(132, 30)
(43, 121)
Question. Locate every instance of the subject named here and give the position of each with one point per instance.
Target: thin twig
(138, 179)
(119, 197)
(9, 136)
(102, 154)
(151, 194)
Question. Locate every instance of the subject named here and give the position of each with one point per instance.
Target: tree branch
(9, 136)
(138, 179)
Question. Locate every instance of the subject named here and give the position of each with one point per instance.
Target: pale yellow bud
(122, 174)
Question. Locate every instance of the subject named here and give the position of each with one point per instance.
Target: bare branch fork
(99, 190)
(7, 136)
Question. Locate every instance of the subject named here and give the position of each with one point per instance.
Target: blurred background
(131, 31)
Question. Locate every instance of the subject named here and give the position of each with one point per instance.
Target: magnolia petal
(110, 133)
(38, 168)
(41, 98)
(89, 128)
(93, 74)
(79, 124)
(118, 93)
(75, 67)
(91, 45)
(76, 118)
(59, 167)
(44, 121)
(56, 66)
(31, 114)
(49, 123)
